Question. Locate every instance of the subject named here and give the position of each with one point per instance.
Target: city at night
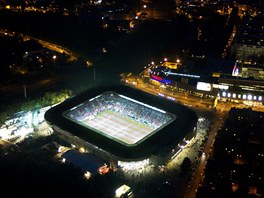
(132, 98)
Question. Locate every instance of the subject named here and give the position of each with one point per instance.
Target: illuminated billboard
(160, 79)
(203, 86)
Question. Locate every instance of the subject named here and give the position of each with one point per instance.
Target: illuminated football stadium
(124, 125)
(120, 118)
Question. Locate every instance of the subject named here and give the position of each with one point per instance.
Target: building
(248, 71)
(218, 86)
(248, 44)
(124, 126)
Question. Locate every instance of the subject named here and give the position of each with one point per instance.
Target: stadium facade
(123, 125)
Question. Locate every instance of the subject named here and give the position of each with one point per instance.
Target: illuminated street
(131, 99)
(206, 132)
(48, 45)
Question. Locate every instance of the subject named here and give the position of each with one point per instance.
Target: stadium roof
(167, 137)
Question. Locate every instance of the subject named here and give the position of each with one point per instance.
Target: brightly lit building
(124, 126)
(248, 44)
(20, 125)
(247, 70)
(229, 87)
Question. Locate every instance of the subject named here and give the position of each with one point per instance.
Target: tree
(186, 165)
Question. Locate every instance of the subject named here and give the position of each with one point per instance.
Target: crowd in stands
(122, 106)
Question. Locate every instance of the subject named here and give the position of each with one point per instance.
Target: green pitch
(119, 128)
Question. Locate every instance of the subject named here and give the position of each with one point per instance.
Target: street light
(54, 57)
(25, 91)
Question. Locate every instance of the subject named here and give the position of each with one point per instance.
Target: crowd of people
(127, 108)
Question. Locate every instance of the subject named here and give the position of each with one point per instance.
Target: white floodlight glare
(122, 190)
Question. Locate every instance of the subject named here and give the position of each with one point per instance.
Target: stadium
(123, 125)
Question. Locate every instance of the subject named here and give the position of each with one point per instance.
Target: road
(46, 44)
(197, 104)
(180, 97)
(14, 91)
(208, 149)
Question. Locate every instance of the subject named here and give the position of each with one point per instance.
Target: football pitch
(120, 128)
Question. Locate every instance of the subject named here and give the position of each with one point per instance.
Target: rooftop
(157, 133)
